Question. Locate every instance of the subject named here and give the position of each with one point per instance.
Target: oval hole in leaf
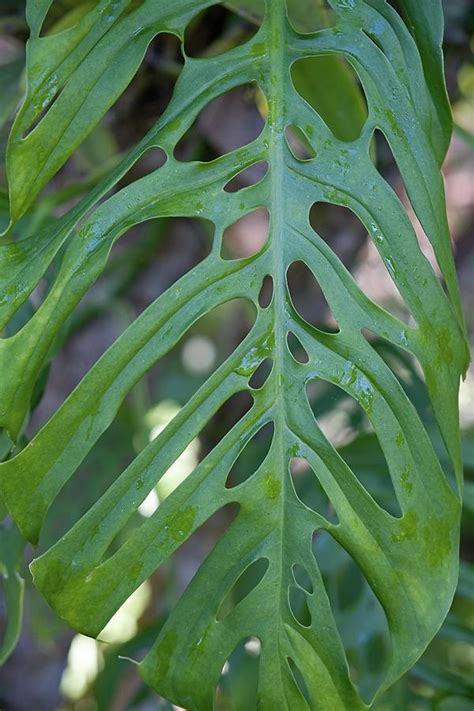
(159, 252)
(340, 228)
(151, 88)
(409, 373)
(389, 170)
(299, 681)
(251, 457)
(60, 17)
(349, 240)
(298, 602)
(366, 459)
(149, 162)
(374, 38)
(310, 15)
(247, 236)
(346, 426)
(332, 87)
(250, 176)
(228, 122)
(266, 292)
(260, 376)
(215, 31)
(308, 488)
(51, 19)
(233, 320)
(238, 685)
(302, 578)
(26, 310)
(359, 616)
(155, 422)
(338, 414)
(228, 415)
(299, 144)
(46, 104)
(243, 586)
(296, 349)
(308, 298)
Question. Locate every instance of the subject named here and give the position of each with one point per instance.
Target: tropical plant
(403, 547)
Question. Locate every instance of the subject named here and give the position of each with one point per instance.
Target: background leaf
(11, 554)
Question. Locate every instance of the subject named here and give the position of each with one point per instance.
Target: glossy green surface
(410, 562)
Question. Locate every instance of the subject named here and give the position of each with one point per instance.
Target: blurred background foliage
(52, 669)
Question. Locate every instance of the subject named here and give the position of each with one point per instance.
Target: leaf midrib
(276, 15)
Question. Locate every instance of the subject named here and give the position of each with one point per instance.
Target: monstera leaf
(407, 558)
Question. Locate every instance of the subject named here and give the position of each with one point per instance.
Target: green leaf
(409, 561)
(10, 87)
(329, 87)
(12, 545)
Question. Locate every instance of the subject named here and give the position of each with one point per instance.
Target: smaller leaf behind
(12, 545)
